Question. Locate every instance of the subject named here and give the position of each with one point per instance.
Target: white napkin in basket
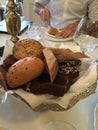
(84, 83)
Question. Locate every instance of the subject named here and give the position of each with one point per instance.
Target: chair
(19, 4)
(1, 13)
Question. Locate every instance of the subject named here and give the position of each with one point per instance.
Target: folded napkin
(84, 86)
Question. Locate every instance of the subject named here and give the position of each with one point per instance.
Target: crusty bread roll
(53, 31)
(27, 47)
(24, 70)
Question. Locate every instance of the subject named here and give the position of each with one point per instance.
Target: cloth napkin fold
(84, 86)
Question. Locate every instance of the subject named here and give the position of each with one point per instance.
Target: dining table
(17, 115)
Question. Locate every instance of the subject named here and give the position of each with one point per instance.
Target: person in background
(66, 14)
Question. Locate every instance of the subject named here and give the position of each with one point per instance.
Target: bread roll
(24, 70)
(53, 31)
(27, 47)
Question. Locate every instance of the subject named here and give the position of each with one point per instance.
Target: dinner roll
(27, 47)
(53, 31)
(24, 70)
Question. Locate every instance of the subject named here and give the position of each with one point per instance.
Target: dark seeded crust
(69, 68)
(75, 62)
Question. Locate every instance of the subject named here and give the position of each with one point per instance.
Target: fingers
(67, 33)
(45, 15)
(69, 30)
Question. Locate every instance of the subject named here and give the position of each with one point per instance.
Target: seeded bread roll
(27, 47)
(24, 70)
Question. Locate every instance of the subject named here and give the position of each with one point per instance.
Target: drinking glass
(35, 32)
(86, 35)
(3, 96)
(3, 89)
(59, 125)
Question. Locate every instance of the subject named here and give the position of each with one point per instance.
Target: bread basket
(82, 88)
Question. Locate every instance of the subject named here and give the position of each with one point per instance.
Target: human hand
(69, 30)
(45, 15)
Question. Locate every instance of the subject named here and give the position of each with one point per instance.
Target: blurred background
(27, 11)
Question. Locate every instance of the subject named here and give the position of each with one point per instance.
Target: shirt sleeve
(77, 9)
(93, 10)
(42, 2)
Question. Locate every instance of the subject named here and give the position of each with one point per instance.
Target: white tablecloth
(16, 115)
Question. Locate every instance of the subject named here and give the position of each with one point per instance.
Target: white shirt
(68, 11)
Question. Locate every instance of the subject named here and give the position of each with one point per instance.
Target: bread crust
(51, 63)
(27, 47)
(53, 31)
(24, 70)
